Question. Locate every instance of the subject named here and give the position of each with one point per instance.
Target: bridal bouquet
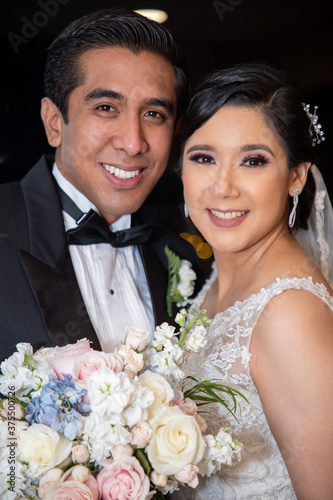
(82, 424)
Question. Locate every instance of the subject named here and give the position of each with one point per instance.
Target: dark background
(293, 35)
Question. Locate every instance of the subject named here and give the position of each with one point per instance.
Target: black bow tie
(92, 228)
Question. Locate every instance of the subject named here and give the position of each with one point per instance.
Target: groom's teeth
(227, 215)
(119, 173)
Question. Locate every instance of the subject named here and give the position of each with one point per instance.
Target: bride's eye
(201, 158)
(255, 161)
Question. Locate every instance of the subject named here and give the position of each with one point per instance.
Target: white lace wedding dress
(261, 474)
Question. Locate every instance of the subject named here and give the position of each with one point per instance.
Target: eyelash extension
(198, 156)
(257, 156)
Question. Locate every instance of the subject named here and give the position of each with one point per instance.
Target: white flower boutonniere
(181, 281)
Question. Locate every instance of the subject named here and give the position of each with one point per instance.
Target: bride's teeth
(119, 173)
(227, 215)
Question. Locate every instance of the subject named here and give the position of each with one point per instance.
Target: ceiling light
(157, 15)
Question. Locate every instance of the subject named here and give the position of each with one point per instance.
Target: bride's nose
(225, 184)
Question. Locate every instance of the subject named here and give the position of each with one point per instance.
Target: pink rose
(80, 454)
(49, 479)
(70, 489)
(135, 337)
(190, 408)
(90, 361)
(187, 405)
(158, 479)
(63, 361)
(123, 479)
(141, 433)
(133, 361)
(80, 475)
(188, 475)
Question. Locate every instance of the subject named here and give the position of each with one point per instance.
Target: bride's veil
(318, 239)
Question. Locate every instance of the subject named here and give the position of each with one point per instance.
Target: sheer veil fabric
(318, 239)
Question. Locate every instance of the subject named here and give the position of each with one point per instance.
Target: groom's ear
(299, 175)
(53, 122)
(177, 125)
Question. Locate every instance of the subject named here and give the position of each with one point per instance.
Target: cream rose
(176, 441)
(163, 392)
(135, 337)
(44, 447)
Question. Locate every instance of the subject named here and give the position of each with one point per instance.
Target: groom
(114, 89)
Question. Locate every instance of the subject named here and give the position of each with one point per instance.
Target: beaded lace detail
(261, 474)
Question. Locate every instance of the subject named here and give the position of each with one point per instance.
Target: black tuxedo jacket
(40, 300)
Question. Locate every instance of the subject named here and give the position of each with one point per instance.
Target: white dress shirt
(112, 280)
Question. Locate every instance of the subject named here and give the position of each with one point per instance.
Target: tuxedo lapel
(157, 277)
(48, 264)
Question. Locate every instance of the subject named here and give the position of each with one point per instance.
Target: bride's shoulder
(303, 309)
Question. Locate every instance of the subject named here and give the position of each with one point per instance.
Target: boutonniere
(181, 281)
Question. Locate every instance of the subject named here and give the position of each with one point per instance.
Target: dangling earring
(292, 216)
(185, 210)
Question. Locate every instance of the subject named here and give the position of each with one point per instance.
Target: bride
(252, 189)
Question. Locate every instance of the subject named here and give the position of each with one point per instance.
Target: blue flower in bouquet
(59, 406)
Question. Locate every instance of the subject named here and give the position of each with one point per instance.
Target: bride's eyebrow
(201, 147)
(253, 147)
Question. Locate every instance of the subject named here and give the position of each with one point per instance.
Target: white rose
(141, 435)
(133, 361)
(136, 337)
(43, 446)
(196, 339)
(176, 441)
(162, 390)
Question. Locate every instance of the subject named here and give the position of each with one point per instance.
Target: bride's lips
(227, 218)
(123, 176)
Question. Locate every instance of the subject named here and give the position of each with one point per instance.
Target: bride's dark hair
(277, 97)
